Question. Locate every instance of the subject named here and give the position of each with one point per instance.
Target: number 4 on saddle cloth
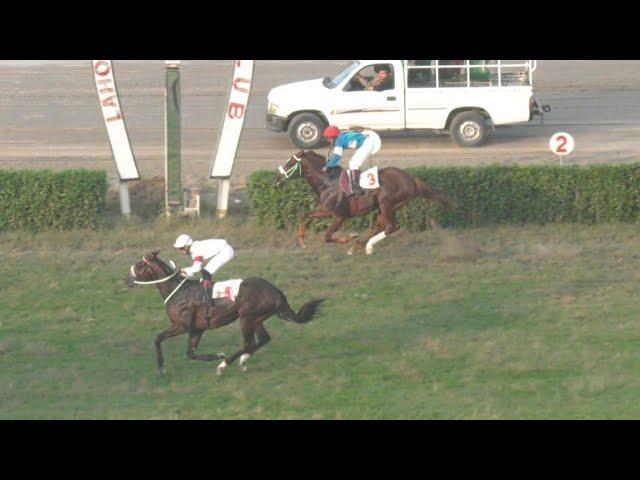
(227, 289)
(368, 180)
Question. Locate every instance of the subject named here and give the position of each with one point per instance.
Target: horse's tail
(307, 312)
(433, 193)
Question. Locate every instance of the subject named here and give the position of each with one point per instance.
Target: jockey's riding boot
(208, 288)
(355, 182)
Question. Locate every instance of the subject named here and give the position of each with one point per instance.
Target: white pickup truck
(463, 97)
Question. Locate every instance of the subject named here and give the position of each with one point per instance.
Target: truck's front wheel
(305, 130)
(468, 129)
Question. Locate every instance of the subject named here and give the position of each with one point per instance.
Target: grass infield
(490, 323)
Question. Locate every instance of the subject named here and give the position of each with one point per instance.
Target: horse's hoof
(369, 251)
(350, 251)
(221, 356)
(244, 368)
(162, 371)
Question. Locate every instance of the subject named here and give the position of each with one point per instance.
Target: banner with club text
(233, 120)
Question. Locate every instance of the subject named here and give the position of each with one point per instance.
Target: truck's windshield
(344, 73)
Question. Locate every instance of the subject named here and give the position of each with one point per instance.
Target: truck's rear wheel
(305, 130)
(469, 129)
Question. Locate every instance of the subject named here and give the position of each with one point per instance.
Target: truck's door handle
(391, 98)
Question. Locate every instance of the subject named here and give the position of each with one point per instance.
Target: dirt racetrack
(49, 117)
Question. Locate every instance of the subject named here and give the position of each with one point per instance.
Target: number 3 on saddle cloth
(368, 180)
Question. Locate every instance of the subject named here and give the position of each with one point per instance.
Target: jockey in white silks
(212, 253)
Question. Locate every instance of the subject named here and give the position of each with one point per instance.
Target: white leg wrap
(243, 361)
(221, 368)
(373, 240)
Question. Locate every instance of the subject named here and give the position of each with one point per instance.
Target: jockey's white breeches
(369, 146)
(222, 257)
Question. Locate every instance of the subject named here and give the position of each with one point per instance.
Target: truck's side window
(373, 78)
(453, 73)
(483, 73)
(421, 74)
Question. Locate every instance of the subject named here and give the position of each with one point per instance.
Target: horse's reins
(154, 282)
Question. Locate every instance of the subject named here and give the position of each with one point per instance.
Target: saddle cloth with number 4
(227, 289)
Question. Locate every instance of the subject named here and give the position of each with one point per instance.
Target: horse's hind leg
(194, 340)
(172, 331)
(391, 225)
(377, 228)
(263, 339)
(248, 326)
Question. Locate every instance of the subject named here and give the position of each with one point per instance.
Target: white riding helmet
(183, 241)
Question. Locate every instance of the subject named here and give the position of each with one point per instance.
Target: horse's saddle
(369, 180)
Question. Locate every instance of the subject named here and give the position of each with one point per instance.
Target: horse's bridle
(289, 173)
(154, 282)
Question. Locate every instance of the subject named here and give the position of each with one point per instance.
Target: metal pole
(125, 205)
(223, 198)
(173, 188)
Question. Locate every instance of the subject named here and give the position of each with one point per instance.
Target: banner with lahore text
(114, 120)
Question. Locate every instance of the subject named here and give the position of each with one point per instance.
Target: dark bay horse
(397, 187)
(190, 311)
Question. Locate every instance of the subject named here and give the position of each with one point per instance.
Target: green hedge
(487, 196)
(37, 200)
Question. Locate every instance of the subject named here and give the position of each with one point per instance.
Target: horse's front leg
(194, 340)
(319, 212)
(328, 235)
(172, 331)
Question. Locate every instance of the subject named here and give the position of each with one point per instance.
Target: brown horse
(397, 187)
(190, 310)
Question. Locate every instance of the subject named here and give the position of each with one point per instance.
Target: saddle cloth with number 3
(369, 178)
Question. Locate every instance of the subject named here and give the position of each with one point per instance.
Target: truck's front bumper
(537, 109)
(276, 124)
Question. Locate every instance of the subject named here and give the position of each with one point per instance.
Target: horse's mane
(312, 156)
(165, 267)
(315, 158)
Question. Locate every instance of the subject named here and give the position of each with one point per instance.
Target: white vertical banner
(233, 119)
(114, 120)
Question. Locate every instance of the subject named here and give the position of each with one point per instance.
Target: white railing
(495, 69)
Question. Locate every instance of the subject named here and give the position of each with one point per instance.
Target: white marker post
(561, 144)
(231, 131)
(116, 130)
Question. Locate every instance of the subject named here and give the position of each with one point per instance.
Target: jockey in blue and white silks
(365, 143)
